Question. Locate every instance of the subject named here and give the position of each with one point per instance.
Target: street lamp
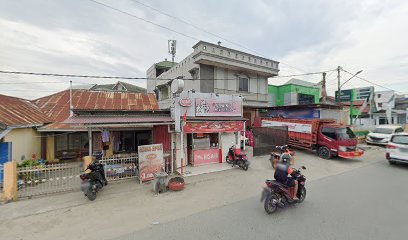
(350, 78)
(351, 99)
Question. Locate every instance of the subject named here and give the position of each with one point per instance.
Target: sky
(87, 38)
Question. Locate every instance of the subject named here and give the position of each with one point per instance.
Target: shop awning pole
(90, 140)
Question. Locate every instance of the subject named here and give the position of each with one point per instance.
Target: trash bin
(160, 182)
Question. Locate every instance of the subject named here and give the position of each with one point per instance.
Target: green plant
(28, 163)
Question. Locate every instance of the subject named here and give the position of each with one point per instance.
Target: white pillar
(90, 140)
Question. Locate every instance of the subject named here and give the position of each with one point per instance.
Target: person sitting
(282, 169)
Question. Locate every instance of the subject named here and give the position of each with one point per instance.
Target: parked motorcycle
(93, 181)
(276, 194)
(283, 154)
(237, 157)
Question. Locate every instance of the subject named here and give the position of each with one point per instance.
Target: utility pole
(338, 83)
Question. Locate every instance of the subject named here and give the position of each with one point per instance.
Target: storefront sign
(217, 107)
(292, 127)
(202, 157)
(295, 113)
(150, 161)
(185, 102)
(345, 95)
(213, 127)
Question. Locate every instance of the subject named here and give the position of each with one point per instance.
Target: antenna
(172, 48)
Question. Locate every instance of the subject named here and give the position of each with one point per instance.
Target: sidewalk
(125, 207)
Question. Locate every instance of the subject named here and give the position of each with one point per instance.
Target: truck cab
(337, 140)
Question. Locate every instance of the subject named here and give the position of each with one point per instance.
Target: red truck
(325, 136)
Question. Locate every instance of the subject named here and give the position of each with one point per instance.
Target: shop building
(213, 68)
(119, 123)
(206, 126)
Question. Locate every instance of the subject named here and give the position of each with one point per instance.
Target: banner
(213, 127)
(202, 157)
(150, 161)
(292, 127)
(217, 107)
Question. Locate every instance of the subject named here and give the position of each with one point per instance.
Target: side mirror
(303, 167)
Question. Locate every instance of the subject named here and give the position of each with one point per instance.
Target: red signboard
(202, 157)
(213, 127)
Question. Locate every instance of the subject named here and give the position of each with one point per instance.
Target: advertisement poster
(292, 127)
(217, 107)
(150, 161)
(213, 127)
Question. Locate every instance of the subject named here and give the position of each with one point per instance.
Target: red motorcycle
(237, 157)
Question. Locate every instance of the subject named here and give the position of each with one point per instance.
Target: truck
(325, 136)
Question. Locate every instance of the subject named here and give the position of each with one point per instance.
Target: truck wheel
(324, 153)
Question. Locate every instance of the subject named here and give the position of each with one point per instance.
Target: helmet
(285, 158)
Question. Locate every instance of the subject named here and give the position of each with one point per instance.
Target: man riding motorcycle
(282, 169)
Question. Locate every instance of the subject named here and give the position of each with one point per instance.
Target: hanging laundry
(105, 136)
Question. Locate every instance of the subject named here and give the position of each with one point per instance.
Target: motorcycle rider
(282, 169)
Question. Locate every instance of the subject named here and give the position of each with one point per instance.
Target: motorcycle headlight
(342, 148)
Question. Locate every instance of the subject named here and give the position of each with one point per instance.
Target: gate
(266, 138)
(46, 179)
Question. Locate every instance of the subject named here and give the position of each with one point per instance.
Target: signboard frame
(151, 161)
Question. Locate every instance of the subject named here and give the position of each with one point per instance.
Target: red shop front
(206, 141)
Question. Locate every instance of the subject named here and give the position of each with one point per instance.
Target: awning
(117, 119)
(208, 119)
(213, 127)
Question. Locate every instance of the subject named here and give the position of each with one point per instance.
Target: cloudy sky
(84, 37)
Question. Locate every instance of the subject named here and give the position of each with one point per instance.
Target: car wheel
(391, 162)
(324, 153)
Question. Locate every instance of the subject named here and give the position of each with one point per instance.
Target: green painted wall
(279, 92)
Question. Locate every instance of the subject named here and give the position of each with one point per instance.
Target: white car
(381, 135)
(397, 149)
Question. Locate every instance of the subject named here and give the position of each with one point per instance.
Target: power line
(185, 22)
(376, 84)
(133, 78)
(206, 31)
(145, 20)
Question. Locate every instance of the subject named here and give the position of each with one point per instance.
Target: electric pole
(338, 83)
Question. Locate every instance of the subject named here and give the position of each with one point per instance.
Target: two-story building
(213, 68)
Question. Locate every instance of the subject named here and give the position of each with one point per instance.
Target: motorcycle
(284, 155)
(276, 194)
(93, 181)
(237, 157)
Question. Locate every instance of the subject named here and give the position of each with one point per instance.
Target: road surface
(370, 202)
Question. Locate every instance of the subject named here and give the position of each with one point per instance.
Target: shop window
(382, 120)
(329, 132)
(243, 84)
(128, 141)
(71, 146)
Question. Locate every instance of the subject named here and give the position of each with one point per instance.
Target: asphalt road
(370, 202)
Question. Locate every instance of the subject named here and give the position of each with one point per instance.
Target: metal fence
(45, 179)
(266, 138)
(118, 167)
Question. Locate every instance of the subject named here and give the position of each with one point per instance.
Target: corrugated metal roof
(117, 119)
(17, 111)
(56, 106)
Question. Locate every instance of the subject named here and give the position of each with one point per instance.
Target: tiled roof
(56, 106)
(17, 111)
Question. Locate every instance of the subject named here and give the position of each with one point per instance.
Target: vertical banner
(150, 161)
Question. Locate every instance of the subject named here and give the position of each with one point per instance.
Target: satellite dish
(177, 86)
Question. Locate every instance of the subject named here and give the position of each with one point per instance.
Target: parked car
(381, 135)
(397, 149)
